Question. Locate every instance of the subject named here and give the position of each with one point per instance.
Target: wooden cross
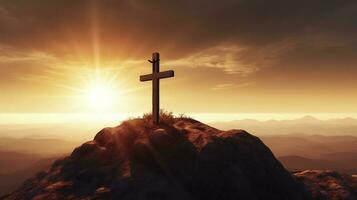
(155, 77)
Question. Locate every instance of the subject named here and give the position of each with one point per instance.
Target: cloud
(231, 86)
(177, 28)
(225, 57)
(11, 55)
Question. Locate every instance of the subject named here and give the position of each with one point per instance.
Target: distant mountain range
(300, 163)
(12, 179)
(301, 152)
(305, 125)
(21, 158)
(77, 132)
(310, 146)
(11, 162)
(40, 146)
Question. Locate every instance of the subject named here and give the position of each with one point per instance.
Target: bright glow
(101, 96)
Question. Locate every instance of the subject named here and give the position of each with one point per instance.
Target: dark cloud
(184, 25)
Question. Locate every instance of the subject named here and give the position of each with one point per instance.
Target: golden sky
(235, 56)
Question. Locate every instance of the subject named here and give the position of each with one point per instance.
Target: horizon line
(31, 118)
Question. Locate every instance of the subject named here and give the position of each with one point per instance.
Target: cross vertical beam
(155, 88)
(155, 77)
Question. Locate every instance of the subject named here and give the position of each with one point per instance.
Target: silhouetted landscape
(22, 158)
(177, 159)
(243, 99)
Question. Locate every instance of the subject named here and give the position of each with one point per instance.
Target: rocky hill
(179, 159)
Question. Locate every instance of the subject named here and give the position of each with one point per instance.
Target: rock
(104, 137)
(179, 159)
(328, 185)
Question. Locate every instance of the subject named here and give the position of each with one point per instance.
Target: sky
(231, 56)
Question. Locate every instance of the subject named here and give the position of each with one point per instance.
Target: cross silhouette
(155, 77)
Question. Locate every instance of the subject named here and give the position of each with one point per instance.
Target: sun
(101, 97)
(100, 90)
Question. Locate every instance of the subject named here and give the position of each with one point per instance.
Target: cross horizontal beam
(155, 78)
(160, 75)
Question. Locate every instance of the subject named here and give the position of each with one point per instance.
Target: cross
(155, 77)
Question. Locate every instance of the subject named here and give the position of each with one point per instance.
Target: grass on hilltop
(165, 116)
